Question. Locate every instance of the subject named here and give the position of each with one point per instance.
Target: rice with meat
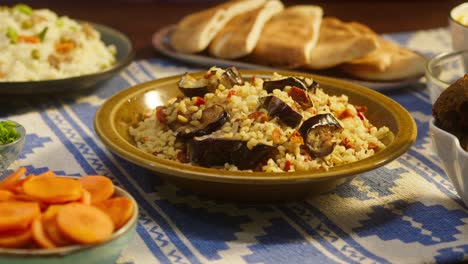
(253, 122)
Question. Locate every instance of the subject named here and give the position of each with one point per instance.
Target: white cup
(459, 29)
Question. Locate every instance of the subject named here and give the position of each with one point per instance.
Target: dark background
(139, 19)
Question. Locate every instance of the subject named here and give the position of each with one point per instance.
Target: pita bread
(388, 62)
(239, 37)
(287, 39)
(195, 32)
(339, 43)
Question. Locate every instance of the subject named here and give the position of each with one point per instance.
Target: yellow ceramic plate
(126, 108)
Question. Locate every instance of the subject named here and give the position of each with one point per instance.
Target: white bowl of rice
(38, 46)
(247, 136)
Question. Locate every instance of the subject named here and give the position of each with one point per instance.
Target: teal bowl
(103, 253)
(9, 152)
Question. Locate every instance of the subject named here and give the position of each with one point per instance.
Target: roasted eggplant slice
(190, 86)
(276, 107)
(231, 77)
(319, 133)
(313, 86)
(210, 151)
(269, 86)
(212, 119)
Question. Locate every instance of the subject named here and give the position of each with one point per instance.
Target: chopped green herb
(59, 22)
(35, 54)
(43, 33)
(8, 132)
(12, 35)
(27, 24)
(25, 9)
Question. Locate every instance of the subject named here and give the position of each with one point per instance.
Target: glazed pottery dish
(126, 109)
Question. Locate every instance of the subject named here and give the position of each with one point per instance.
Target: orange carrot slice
(53, 232)
(29, 39)
(53, 189)
(48, 173)
(64, 47)
(17, 215)
(12, 178)
(120, 209)
(84, 224)
(100, 187)
(39, 235)
(23, 197)
(5, 195)
(17, 187)
(52, 210)
(49, 223)
(15, 239)
(85, 198)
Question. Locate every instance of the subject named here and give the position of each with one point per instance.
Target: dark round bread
(451, 108)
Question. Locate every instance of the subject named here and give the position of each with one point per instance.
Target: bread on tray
(338, 43)
(264, 32)
(195, 32)
(388, 62)
(240, 36)
(287, 39)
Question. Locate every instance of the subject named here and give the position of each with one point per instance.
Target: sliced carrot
(17, 187)
(53, 189)
(120, 209)
(85, 198)
(23, 197)
(64, 47)
(100, 187)
(84, 224)
(49, 223)
(52, 210)
(29, 39)
(48, 173)
(39, 235)
(15, 239)
(5, 195)
(12, 178)
(17, 215)
(53, 232)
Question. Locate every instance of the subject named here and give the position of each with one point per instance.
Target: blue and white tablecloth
(405, 212)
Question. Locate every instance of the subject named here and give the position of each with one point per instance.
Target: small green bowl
(105, 252)
(9, 152)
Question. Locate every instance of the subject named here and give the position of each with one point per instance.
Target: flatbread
(240, 36)
(388, 62)
(287, 39)
(339, 43)
(195, 32)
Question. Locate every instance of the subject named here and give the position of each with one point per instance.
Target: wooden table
(139, 19)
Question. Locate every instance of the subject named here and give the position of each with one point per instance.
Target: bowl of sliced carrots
(51, 219)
